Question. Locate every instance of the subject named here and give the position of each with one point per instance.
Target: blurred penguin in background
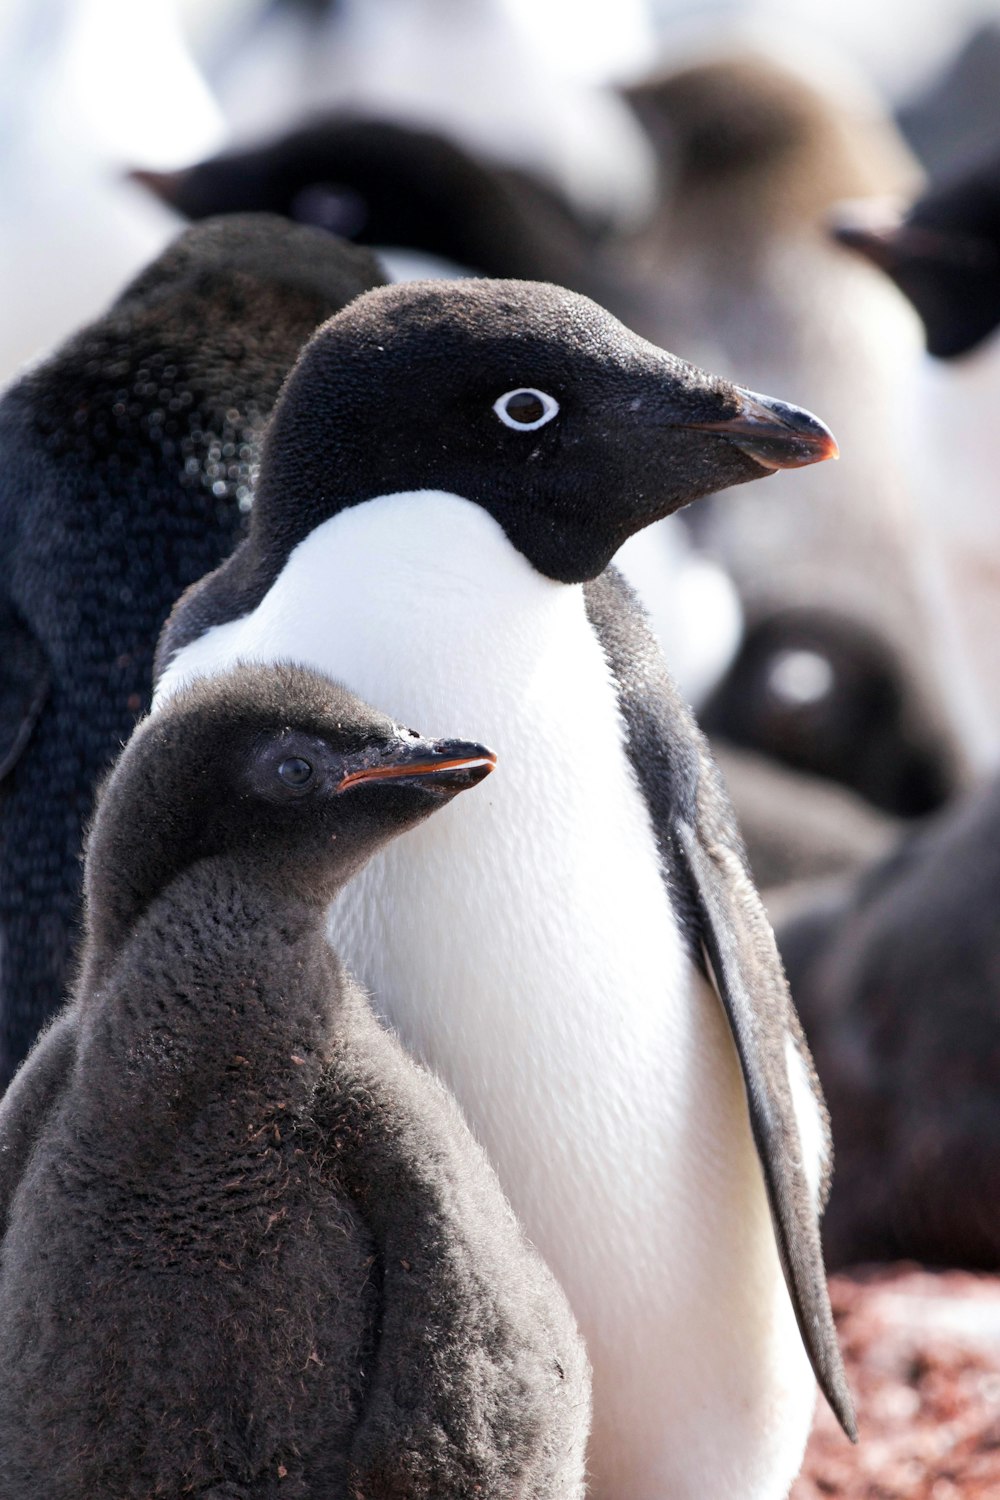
(944, 254)
(896, 975)
(127, 465)
(79, 99)
(517, 82)
(741, 275)
(822, 693)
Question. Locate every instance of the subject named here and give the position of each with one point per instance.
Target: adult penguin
(448, 472)
(386, 184)
(275, 1261)
(127, 459)
(419, 197)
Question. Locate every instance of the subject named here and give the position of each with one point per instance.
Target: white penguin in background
(87, 85)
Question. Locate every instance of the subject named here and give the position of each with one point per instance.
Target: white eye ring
(550, 408)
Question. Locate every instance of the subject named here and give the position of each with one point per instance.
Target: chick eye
(526, 408)
(295, 771)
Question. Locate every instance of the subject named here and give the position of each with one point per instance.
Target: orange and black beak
(443, 766)
(773, 433)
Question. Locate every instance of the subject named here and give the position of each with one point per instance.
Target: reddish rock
(922, 1351)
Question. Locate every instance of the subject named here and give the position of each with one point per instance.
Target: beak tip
(777, 435)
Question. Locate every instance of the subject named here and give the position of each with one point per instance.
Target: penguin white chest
(523, 944)
(531, 920)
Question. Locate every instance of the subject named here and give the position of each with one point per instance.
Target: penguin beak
(446, 766)
(879, 231)
(773, 433)
(163, 185)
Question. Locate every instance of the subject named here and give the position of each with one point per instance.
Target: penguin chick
(275, 1261)
(897, 977)
(450, 469)
(127, 460)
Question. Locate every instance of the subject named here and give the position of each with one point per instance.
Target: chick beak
(447, 766)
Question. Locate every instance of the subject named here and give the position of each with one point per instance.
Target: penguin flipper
(717, 906)
(24, 684)
(746, 971)
(30, 1099)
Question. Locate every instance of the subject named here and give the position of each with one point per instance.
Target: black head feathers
(527, 399)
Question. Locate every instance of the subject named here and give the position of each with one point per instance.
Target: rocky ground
(923, 1359)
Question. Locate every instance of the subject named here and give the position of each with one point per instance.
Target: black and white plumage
(275, 1261)
(127, 465)
(428, 203)
(448, 473)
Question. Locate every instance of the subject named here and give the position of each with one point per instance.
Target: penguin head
(275, 767)
(377, 181)
(747, 139)
(825, 694)
(530, 401)
(943, 254)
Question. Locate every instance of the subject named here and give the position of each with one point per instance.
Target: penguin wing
(29, 1101)
(24, 684)
(730, 938)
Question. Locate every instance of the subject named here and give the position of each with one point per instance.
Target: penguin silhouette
(275, 1261)
(127, 464)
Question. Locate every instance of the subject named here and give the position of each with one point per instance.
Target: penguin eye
(526, 408)
(295, 772)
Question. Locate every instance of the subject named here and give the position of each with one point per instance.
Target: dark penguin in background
(447, 474)
(944, 253)
(897, 977)
(275, 1261)
(825, 695)
(127, 460)
(387, 184)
